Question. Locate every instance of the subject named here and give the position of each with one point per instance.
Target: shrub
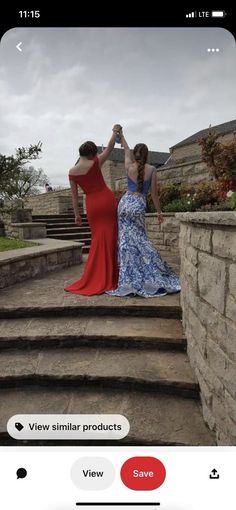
(180, 205)
(224, 185)
(186, 190)
(167, 192)
(204, 196)
(192, 197)
(222, 206)
(221, 161)
(205, 193)
(231, 195)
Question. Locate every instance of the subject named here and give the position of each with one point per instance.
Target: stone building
(182, 164)
(114, 171)
(185, 163)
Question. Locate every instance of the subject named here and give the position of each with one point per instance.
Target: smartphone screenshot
(117, 260)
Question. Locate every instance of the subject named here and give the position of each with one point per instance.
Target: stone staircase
(63, 227)
(63, 353)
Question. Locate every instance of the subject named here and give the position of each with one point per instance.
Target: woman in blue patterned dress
(142, 270)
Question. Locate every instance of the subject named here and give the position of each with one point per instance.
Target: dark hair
(88, 149)
(140, 153)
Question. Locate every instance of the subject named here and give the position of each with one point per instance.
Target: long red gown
(101, 269)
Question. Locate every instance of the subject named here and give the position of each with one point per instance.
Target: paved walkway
(49, 291)
(65, 353)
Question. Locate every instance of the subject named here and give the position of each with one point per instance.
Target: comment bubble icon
(21, 473)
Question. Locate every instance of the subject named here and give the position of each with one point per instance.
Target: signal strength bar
(191, 15)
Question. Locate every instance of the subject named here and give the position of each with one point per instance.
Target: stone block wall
(191, 169)
(14, 220)
(25, 263)
(31, 230)
(55, 202)
(194, 149)
(114, 173)
(208, 299)
(106, 172)
(166, 235)
(187, 173)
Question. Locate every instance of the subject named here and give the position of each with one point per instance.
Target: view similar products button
(143, 473)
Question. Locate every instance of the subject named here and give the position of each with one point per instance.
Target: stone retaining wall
(208, 299)
(166, 235)
(31, 230)
(186, 173)
(54, 202)
(17, 223)
(22, 264)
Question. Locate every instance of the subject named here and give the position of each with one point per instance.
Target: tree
(16, 179)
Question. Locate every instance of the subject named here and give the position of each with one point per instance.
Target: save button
(143, 473)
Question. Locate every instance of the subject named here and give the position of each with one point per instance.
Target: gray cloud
(69, 85)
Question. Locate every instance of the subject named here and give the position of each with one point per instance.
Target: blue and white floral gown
(142, 270)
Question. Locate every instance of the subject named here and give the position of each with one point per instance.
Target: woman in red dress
(101, 269)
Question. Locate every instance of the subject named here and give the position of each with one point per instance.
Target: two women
(142, 271)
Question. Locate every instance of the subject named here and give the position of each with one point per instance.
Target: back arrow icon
(18, 46)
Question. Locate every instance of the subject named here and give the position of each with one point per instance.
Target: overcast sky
(69, 85)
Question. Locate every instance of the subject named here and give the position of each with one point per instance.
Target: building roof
(171, 162)
(154, 158)
(221, 129)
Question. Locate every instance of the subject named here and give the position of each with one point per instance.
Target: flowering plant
(231, 195)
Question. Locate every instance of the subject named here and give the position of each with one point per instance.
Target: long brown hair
(140, 153)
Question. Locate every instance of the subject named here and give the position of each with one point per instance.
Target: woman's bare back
(132, 172)
(82, 167)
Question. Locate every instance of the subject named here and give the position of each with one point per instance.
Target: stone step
(107, 331)
(136, 369)
(55, 223)
(41, 297)
(171, 258)
(68, 236)
(52, 217)
(60, 221)
(79, 231)
(58, 226)
(85, 309)
(175, 268)
(62, 215)
(155, 419)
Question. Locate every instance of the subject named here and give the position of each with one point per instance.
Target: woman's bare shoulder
(73, 170)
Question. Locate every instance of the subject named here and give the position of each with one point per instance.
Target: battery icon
(218, 14)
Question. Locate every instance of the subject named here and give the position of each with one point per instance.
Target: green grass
(14, 244)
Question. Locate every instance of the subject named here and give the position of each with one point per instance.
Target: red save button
(143, 473)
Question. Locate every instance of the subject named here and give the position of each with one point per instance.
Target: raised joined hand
(117, 128)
